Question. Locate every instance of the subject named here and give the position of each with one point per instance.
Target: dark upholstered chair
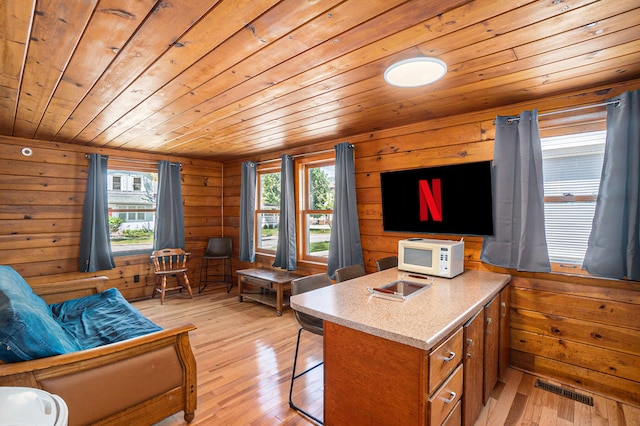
(387, 263)
(217, 249)
(309, 323)
(349, 272)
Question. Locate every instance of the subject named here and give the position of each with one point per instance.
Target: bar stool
(307, 322)
(217, 249)
(349, 272)
(387, 263)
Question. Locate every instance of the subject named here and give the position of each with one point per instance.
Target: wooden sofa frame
(139, 381)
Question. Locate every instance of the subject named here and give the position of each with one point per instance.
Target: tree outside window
(268, 211)
(317, 212)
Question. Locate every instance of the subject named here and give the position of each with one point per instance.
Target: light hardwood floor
(245, 356)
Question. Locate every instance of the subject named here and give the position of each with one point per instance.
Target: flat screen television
(455, 199)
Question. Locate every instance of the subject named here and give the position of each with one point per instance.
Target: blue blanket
(29, 329)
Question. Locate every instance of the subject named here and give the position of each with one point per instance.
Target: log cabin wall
(41, 213)
(594, 344)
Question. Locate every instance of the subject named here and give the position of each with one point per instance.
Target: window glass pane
(268, 231)
(572, 166)
(270, 191)
(321, 187)
(318, 233)
(132, 213)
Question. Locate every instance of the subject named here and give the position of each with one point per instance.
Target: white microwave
(442, 258)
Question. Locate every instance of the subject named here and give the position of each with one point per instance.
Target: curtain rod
(615, 102)
(132, 160)
(300, 155)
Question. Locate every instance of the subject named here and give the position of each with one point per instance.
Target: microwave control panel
(444, 259)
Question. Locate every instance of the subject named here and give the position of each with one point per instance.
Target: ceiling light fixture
(415, 72)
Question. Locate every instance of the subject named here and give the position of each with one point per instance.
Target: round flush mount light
(415, 72)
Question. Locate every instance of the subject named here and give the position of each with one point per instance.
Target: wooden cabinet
(445, 378)
(444, 359)
(473, 368)
(398, 376)
(445, 386)
(491, 347)
(444, 400)
(505, 330)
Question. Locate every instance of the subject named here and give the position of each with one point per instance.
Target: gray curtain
(247, 211)
(286, 249)
(614, 244)
(95, 245)
(519, 238)
(345, 248)
(169, 228)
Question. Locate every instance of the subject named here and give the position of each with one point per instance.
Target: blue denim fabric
(27, 330)
(101, 319)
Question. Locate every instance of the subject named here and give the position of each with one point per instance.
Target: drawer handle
(451, 356)
(452, 397)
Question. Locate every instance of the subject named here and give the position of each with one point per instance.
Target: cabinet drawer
(444, 359)
(256, 281)
(445, 399)
(455, 417)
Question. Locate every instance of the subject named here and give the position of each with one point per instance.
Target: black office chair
(217, 249)
(349, 272)
(309, 323)
(387, 263)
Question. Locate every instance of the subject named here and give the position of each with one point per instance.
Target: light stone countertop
(422, 320)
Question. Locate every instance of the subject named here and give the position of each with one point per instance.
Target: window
(572, 165)
(268, 211)
(316, 212)
(315, 185)
(132, 209)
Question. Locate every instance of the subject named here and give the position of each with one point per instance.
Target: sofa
(84, 342)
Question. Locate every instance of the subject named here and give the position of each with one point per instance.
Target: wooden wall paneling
(595, 358)
(41, 213)
(612, 337)
(582, 334)
(582, 378)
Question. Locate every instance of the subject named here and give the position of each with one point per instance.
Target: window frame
(567, 125)
(130, 168)
(302, 204)
(263, 170)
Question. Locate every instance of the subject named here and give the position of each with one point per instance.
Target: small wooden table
(268, 281)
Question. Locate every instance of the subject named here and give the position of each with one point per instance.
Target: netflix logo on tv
(454, 199)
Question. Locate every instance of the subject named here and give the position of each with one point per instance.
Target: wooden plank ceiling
(224, 79)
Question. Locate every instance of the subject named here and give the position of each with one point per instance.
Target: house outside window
(132, 208)
(572, 165)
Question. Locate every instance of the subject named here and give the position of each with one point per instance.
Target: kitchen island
(398, 362)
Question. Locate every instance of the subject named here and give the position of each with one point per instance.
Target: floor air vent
(564, 392)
